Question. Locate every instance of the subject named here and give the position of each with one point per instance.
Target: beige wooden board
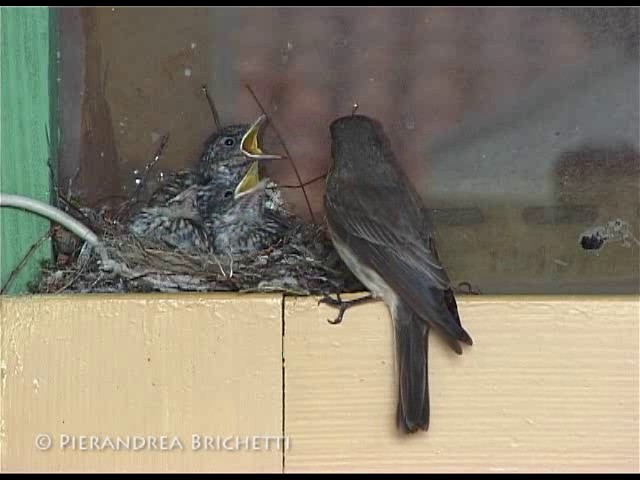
(115, 366)
(551, 384)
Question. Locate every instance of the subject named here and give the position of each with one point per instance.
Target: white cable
(58, 216)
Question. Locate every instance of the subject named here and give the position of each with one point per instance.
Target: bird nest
(302, 262)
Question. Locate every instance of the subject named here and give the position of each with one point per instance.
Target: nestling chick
(222, 202)
(179, 224)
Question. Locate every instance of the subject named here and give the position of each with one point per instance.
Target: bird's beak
(250, 145)
(249, 183)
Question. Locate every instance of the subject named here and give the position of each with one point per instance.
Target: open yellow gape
(250, 146)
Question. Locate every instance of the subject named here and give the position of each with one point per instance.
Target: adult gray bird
(377, 225)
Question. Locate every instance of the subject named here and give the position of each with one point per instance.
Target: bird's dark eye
(228, 194)
(229, 142)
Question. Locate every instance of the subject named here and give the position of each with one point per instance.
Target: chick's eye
(228, 193)
(229, 142)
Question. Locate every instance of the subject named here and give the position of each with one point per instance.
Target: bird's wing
(391, 221)
(386, 231)
(276, 221)
(174, 184)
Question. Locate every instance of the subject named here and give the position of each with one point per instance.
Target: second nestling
(221, 206)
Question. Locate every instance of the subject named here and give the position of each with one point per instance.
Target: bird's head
(233, 150)
(359, 144)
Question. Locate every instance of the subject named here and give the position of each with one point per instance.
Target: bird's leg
(343, 305)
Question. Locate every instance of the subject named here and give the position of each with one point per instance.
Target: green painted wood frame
(28, 135)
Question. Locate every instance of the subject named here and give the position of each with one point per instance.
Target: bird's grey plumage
(222, 157)
(411, 335)
(378, 226)
(179, 223)
(172, 185)
(229, 225)
(246, 225)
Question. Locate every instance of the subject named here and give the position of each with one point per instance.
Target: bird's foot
(469, 290)
(343, 305)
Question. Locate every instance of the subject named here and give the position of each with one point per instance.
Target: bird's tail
(411, 351)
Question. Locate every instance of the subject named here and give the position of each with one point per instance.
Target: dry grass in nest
(303, 262)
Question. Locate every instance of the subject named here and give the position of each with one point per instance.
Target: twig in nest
(308, 182)
(281, 140)
(230, 265)
(212, 107)
(145, 174)
(97, 280)
(24, 260)
(226, 277)
(149, 166)
(73, 279)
